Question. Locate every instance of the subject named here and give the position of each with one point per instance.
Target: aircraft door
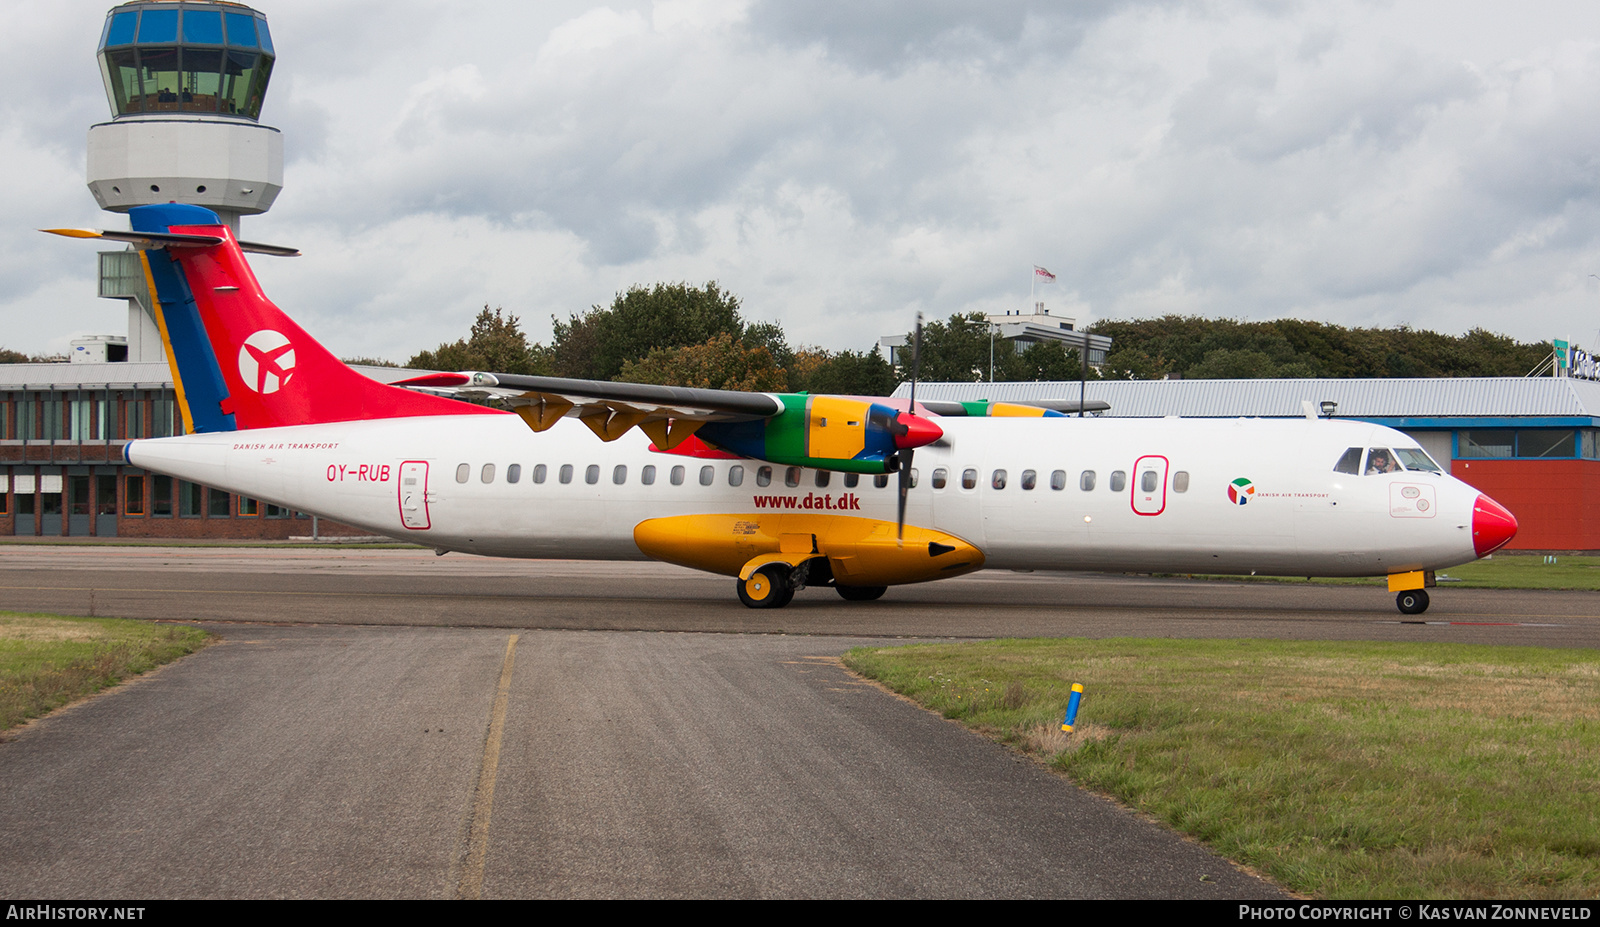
(1150, 485)
(414, 495)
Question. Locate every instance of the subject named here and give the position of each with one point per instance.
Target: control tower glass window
(188, 57)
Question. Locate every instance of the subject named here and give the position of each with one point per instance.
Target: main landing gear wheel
(861, 593)
(768, 587)
(1412, 601)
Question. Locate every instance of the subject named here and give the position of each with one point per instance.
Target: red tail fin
(272, 373)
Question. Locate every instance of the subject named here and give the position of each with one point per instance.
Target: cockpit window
(1417, 459)
(1381, 460)
(1350, 462)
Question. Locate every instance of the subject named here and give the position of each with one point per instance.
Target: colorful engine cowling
(828, 433)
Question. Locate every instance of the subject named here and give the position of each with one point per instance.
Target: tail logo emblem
(266, 361)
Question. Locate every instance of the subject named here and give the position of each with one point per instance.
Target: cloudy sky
(841, 166)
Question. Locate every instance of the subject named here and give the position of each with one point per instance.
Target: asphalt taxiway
(385, 723)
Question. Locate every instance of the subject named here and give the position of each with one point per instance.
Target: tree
(596, 345)
(847, 373)
(496, 344)
(718, 363)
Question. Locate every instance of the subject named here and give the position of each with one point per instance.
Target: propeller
(905, 460)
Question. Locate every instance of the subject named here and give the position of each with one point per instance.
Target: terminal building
(1531, 443)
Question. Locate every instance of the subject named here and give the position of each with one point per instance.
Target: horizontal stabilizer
(146, 240)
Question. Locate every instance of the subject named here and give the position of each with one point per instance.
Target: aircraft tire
(768, 587)
(1412, 601)
(861, 593)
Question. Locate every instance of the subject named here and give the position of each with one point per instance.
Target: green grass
(1342, 770)
(1501, 571)
(47, 661)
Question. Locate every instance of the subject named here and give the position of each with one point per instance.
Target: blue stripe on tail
(195, 364)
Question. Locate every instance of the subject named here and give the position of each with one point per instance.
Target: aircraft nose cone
(919, 431)
(1492, 526)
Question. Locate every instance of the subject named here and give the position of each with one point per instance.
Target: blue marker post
(1072, 707)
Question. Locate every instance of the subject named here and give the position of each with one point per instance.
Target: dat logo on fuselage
(266, 361)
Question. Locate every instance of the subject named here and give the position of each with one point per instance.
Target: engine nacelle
(827, 433)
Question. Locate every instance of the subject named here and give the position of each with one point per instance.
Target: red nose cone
(1492, 526)
(919, 431)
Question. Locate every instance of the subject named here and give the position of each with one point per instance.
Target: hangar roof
(1416, 403)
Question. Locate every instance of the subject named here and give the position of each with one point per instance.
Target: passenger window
(881, 480)
(1119, 481)
(487, 474)
(677, 476)
(513, 473)
(791, 477)
(1030, 479)
(591, 474)
(566, 474)
(647, 476)
(912, 482)
(822, 478)
(619, 474)
(708, 474)
(969, 478)
(998, 480)
(1350, 462)
(463, 473)
(1180, 481)
(941, 476)
(736, 476)
(852, 480)
(539, 473)
(1149, 480)
(1086, 481)
(1058, 479)
(763, 476)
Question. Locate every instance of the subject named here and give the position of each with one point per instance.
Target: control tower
(185, 79)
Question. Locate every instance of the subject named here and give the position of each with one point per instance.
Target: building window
(78, 495)
(217, 504)
(161, 496)
(189, 499)
(249, 508)
(133, 496)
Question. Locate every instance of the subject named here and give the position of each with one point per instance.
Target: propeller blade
(905, 462)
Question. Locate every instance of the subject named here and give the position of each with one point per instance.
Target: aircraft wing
(668, 414)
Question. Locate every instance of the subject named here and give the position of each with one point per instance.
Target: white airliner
(780, 491)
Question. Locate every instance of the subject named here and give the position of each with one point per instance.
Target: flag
(1041, 272)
